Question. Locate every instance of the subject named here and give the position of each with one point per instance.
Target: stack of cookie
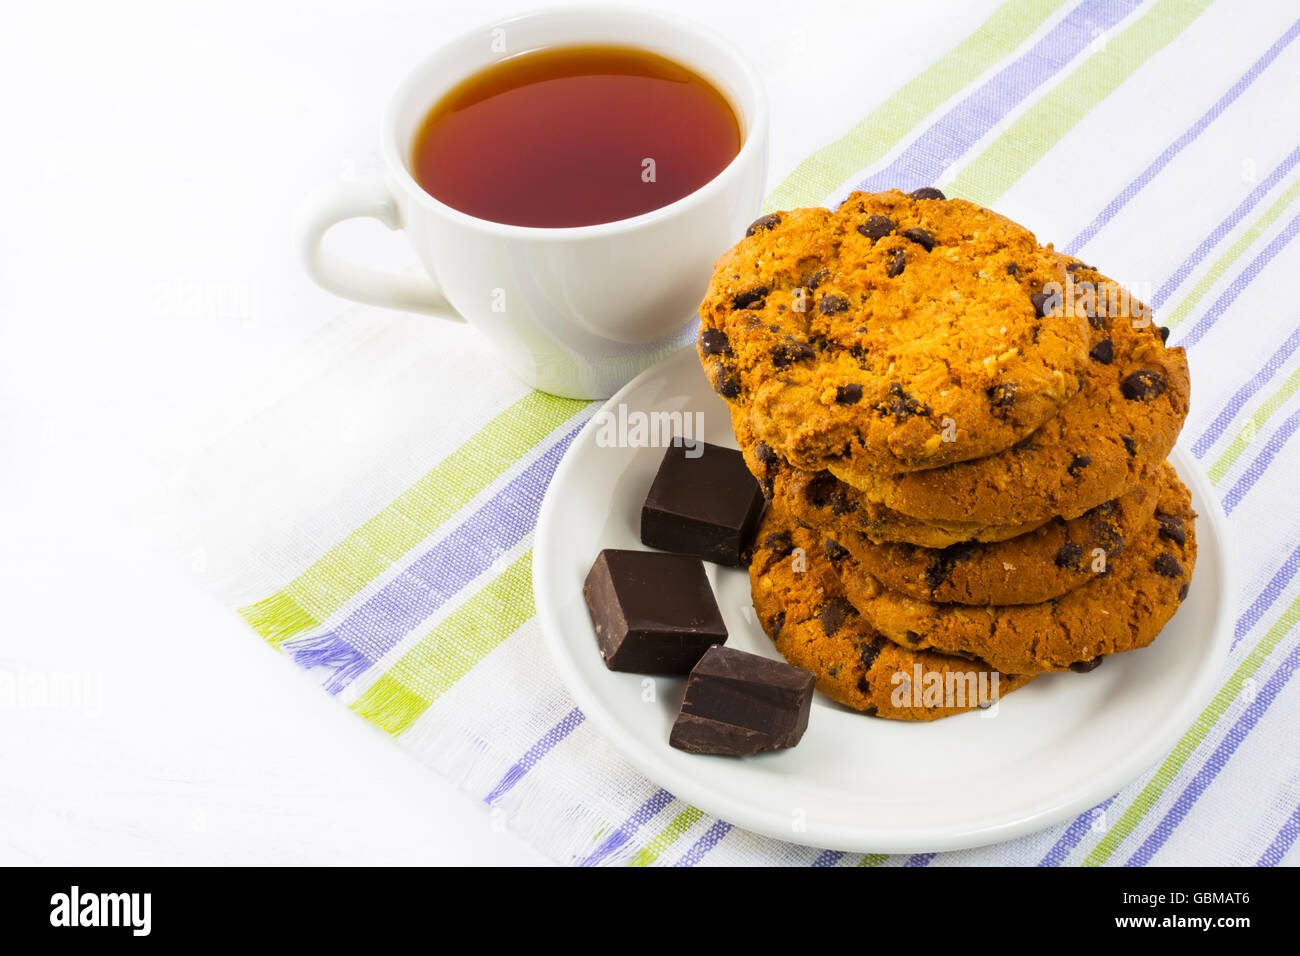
(962, 436)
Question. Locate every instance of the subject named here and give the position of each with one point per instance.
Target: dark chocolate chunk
(901, 405)
(832, 304)
(940, 570)
(762, 223)
(1083, 667)
(1103, 352)
(1012, 268)
(1098, 321)
(775, 623)
(920, 237)
(848, 394)
(912, 637)
(926, 192)
(1182, 592)
(864, 688)
(726, 382)
(1130, 445)
(1171, 528)
(787, 353)
(754, 298)
(1046, 303)
(1167, 565)
(703, 501)
(765, 454)
(738, 704)
(1069, 556)
(1163, 332)
(826, 491)
(834, 550)
(833, 614)
(714, 342)
(1144, 385)
(817, 278)
(868, 653)
(898, 264)
(1002, 396)
(876, 227)
(780, 543)
(654, 613)
(1077, 464)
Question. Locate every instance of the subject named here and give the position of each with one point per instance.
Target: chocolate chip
(775, 623)
(1074, 267)
(833, 614)
(868, 653)
(714, 342)
(1182, 592)
(1098, 322)
(1103, 352)
(1045, 303)
(787, 353)
(848, 394)
(926, 192)
(1012, 268)
(832, 304)
(764, 453)
(1069, 556)
(912, 637)
(1163, 332)
(940, 570)
(834, 550)
(1002, 396)
(1130, 445)
(817, 278)
(1167, 565)
(726, 383)
(1083, 667)
(1077, 464)
(780, 543)
(864, 688)
(754, 298)
(901, 405)
(1171, 529)
(876, 227)
(770, 221)
(859, 353)
(1144, 385)
(920, 237)
(825, 491)
(898, 264)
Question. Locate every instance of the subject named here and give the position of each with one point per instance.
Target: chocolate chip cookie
(802, 607)
(820, 500)
(1049, 561)
(1124, 421)
(1120, 610)
(892, 334)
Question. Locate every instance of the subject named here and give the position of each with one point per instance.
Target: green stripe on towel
(824, 171)
(1045, 123)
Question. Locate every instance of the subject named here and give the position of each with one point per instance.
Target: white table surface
(152, 158)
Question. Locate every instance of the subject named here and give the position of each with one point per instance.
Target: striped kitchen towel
(1155, 138)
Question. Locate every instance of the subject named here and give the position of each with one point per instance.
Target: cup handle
(370, 199)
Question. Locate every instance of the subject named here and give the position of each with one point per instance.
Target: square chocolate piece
(739, 703)
(654, 613)
(703, 502)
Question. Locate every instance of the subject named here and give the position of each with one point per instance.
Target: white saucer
(1047, 752)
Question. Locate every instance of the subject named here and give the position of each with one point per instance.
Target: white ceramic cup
(576, 311)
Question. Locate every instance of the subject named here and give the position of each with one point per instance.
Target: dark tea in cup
(574, 136)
